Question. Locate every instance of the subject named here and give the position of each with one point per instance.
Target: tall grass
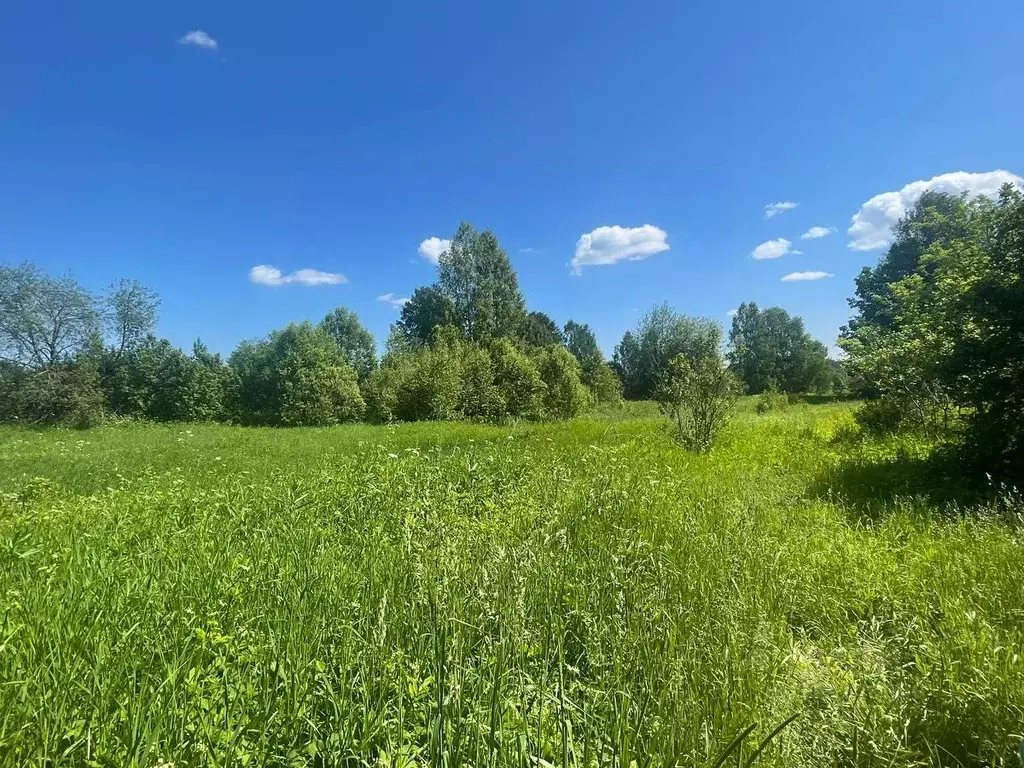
(438, 594)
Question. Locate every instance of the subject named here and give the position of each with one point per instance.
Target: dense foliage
(541, 331)
(938, 332)
(355, 342)
(156, 380)
(477, 278)
(770, 350)
(426, 310)
(643, 355)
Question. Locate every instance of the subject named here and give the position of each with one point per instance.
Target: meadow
(581, 593)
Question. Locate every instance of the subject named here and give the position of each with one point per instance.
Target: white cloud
(266, 274)
(871, 226)
(608, 245)
(395, 301)
(732, 312)
(815, 233)
(774, 209)
(199, 39)
(432, 248)
(773, 249)
(802, 276)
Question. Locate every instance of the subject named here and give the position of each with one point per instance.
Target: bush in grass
(384, 387)
(298, 376)
(315, 384)
(320, 396)
(565, 395)
(698, 397)
(517, 381)
(880, 417)
(434, 389)
(771, 400)
(423, 383)
(480, 398)
(452, 378)
(157, 381)
(603, 383)
(66, 394)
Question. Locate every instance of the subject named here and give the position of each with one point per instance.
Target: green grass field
(575, 594)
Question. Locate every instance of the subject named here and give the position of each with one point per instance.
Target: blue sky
(338, 137)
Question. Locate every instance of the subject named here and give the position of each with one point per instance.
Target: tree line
(936, 342)
(464, 348)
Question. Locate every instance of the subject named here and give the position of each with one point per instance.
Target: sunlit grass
(444, 594)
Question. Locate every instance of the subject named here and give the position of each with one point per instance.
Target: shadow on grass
(873, 483)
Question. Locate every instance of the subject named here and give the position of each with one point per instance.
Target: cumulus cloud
(871, 226)
(732, 312)
(395, 301)
(267, 274)
(432, 248)
(774, 209)
(815, 233)
(793, 277)
(773, 249)
(199, 39)
(608, 245)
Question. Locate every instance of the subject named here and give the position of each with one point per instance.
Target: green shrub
(157, 381)
(433, 391)
(66, 394)
(603, 383)
(383, 389)
(298, 376)
(320, 396)
(771, 400)
(698, 398)
(880, 417)
(565, 395)
(517, 381)
(480, 398)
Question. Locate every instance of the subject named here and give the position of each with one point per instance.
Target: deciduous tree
(44, 320)
(356, 343)
(541, 331)
(427, 309)
(130, 311)
(769, 349)
(643, 354)
(476, 275)
(698, 396)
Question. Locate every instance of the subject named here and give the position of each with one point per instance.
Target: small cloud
(395, 301)
(732, 312)
(432, 248)
(774, 209)
(199, 39)
(609, 245)
(773, 249)
(794, 277)
(527, 250)
(266, 274)
(815, 233)
(871, 227)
